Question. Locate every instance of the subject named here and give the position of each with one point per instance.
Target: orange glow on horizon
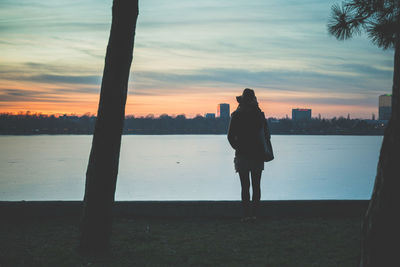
(173, 106)
(196, 101)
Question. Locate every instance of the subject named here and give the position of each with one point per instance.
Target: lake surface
(189, 167)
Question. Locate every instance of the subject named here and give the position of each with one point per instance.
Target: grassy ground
(188, 242)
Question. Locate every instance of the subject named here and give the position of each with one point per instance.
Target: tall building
(385, 107)
(223, 111)
(299, 114)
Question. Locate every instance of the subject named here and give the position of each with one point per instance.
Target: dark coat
(244, 131)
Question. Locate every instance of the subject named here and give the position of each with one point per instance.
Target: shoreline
(188, 209)
(313, 134)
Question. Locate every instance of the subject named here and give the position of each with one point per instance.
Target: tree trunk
(101, 174)
(381, 227)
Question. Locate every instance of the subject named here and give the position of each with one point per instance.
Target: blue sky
(188, 57)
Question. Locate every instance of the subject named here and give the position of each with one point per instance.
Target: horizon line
(89, 114)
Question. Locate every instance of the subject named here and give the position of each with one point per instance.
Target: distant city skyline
(384, 112)
(223, 110)
(201, 114)
(189, 56)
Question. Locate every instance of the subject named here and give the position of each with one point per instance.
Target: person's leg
(255, 184)
(245, 182)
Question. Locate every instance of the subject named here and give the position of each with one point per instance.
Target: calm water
(189, 167)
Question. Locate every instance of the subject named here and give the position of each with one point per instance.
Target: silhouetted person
(244, 136)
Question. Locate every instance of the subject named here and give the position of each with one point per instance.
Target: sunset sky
(188, 57)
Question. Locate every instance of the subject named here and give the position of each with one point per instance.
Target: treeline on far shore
(26, 124)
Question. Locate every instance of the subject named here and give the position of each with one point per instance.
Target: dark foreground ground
(205, 233)
(188, 242)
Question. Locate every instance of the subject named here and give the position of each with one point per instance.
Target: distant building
(223, 111)
(299, 114)
(385, 107)
(210, 115)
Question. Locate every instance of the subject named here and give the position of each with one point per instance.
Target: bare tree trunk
(101, 175)
(381, 226)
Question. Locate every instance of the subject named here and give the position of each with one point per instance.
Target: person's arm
(232, 132)
(266, 128)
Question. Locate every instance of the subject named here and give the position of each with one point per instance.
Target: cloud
(33, 69)
(22, 95)
(43, 17)
(18, 94)
(344, 100)
(79, 90)
(54, 79)
(46, 78)
(141, 93)
(278, 79)
(366, 70)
